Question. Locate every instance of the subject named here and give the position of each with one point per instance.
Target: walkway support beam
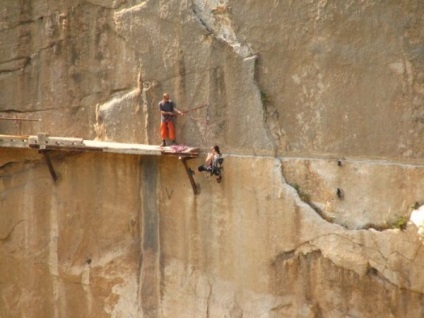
(189, 173)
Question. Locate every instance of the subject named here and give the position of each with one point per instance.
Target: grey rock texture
(318, 109)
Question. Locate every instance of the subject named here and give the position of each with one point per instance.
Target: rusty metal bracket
(189, 173)
(49, 164)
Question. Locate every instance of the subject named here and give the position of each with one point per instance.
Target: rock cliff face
(318, 107)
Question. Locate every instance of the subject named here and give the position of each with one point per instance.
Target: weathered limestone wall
(357, 193)
(346, 77)
(303, 98)
(82, 247)
(66, 246)
(271, 255)
(58, 59)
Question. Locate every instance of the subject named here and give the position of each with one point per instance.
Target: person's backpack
(217, 166)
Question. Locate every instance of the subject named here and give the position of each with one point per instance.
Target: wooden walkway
(45, 143)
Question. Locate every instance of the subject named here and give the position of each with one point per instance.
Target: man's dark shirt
(166, 106)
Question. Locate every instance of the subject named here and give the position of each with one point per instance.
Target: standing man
(168, 112)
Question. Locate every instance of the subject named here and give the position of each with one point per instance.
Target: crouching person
(213, 163)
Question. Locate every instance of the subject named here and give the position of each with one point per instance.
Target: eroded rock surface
(317, 108)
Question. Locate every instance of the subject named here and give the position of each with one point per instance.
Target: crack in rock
(216, 17)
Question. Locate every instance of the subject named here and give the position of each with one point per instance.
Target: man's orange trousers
(167, 129)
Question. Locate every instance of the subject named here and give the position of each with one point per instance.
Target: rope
(179, 148)
(203, 121)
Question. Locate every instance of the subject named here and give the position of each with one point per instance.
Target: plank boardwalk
(46, 142)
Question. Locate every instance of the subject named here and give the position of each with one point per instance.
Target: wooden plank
(181, 154)
(181, 151)
(13, 141)
(43, 141)
(57, 141)
(124, 148)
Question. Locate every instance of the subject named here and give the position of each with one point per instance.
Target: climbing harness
(217, 166)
